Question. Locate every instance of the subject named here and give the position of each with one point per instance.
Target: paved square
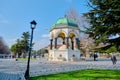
(14, 70)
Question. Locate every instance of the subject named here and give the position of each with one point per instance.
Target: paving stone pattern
(14, 70)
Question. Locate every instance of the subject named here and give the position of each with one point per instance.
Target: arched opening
(71, 35)
(61, 37)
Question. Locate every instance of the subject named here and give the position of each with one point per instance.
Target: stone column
(78, 43)
(51, 40)
(72, 44)
(67, 41)
(56, 43)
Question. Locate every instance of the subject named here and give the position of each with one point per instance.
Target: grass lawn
(91, 74)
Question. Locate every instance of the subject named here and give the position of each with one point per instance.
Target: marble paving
(14, 70)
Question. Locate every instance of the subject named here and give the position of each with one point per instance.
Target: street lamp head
(33, 24)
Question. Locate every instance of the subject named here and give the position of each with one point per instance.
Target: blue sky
(16, 15)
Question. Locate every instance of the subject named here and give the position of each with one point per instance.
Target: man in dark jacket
(113, 59)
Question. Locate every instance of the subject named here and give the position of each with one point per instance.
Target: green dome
(64, 21)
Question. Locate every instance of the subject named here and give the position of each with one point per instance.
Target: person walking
(95, 56)
(113, 59)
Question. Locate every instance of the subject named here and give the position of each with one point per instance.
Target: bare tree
(73, 14)
(87, 43)
(3, 47)
(79, 18)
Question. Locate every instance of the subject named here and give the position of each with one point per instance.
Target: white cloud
(40, 44)
(46, 35)
(113, 37)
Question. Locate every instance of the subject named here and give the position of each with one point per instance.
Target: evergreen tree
(104, 18)
(25, 41)
(22, 45)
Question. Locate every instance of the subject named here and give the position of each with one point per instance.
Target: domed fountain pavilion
(69, 32)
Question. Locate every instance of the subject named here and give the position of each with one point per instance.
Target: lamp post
(33, 25)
